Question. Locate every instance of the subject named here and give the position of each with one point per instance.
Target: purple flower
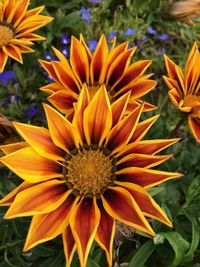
(65, 52)
(151, 30)
(160, 52)
(92, 44)
(65, 39)
(163, 37)
(95, 1)
(85, 14)
(32, 111)
(143, 38)
(111, 35)
(47, 56)
(6, 76)
(11, 99)
(129, 31)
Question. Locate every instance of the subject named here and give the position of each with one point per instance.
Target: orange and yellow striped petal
(69, 245)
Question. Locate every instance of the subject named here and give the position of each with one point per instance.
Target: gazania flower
(16, 29)
(109, 67)
(185, 88)
(82, 176)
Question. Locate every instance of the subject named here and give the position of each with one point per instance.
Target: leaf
(142, 254)
(155, 191)
(179, 245)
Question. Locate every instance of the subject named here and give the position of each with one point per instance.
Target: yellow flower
(185, 88)
(109, 67)
(16, 29)
(82, 176)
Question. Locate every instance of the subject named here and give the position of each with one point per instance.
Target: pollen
(6, 34)
(90, 172)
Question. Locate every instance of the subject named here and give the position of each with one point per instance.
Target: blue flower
(32, 111)
(111, 35)
(95, 1)
(160, 52)
(65, 39)
(129, 31)
(6, 76)
(85, 14)
(151, 30)
(163, 37)
(92, 44)
(47, 56)
(143, 38)
(65, 52)
(11, 99)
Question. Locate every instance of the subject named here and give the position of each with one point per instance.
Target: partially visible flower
(48, 56)
(92, 44)
(185, 88)
(32, 111)
(12, 98)
(143, 38)
(86, 14)
(163, 37)
(160, 52)
(81, 177)
(151, 30)
(6, 76)
(65, 39)
(108, 66)
(65, 52)
(111, 36)
(95, 1)
(129, 31)
(186, 10)
(17, 25)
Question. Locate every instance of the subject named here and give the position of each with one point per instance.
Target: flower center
(90, 172)
(191, 101)
(94, 88)
(6, 34)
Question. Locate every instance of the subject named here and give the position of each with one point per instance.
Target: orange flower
(16, 27)
(82, 176)
(109, 67)
(185, 88)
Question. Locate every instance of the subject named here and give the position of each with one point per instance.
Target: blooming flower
(111, 36)
(129, 31)
(65, 52)
(16, 29)
(11, 99)
(160, 52)
(6, 76)
(163, 37)
(151, 30)
(105, 66)
(185, 88)
(81, 177)
(92, 44)
(85, 14)
(65, 39)
(31, 111)
(48, 56)
(95, 1)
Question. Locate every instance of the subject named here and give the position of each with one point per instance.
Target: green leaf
(179, 245)
(142, 254)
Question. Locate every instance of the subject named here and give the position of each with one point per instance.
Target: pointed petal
(8, 199)
(119, 204)
(120, 135)
(30, 166)
(40, 141)
(146, 203)
(99, 61)
(47, 66)
(98, 118)
(38, 199)
(7, 149)
(79, 61)
(194, 124)
(61, 130)
(84, 223)
(86, 48)
(47, 226)
(51, 88)
(13, 51)
(69, 245)
(3, 60)
(105, 233)
(145, 177)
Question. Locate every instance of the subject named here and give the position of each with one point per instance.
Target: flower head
(82, 176)
(111, 36)
(16, 29)
(6, 76)
(65, 39)
(109, 67)
(163, 37)
(128, 32)
(151, 30)
(185, 88)
(86, 14)
(92, 44)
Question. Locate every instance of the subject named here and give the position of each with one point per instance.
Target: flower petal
(38, 199)
(3, 60)
(40, 140)
(105, 233)
(194, 124)
(119, 204)
(145, 177)
(84, 223)
(98, 118)
(47, 226)
(13, 51)
(10, 148)
(69, 245)
(30, 166)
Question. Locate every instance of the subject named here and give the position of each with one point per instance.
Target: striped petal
(3, 60)
(47, 226)
(69, 245)
(119, 204)
(30, 166)
(38, 199)
(84, 223)
(194, 124)
(10, 148)
(13, 51)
